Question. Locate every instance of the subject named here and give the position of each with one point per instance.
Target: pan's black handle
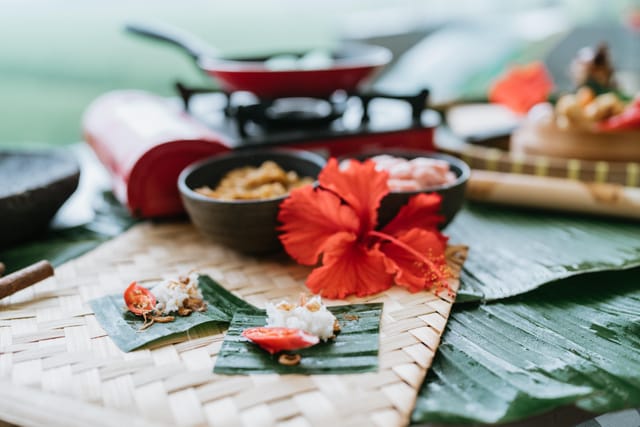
(191, 44)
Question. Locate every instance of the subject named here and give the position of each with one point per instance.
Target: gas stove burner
(287, 113)
(253, 121)
(418, 102)
(300, 110)
(280, 113)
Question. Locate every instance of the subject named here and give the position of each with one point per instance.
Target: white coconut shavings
(171, 294)
(311, 316)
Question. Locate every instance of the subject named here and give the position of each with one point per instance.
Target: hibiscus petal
(522, 87)
(311, 219)
(350, 268)
(421, 211)
(360, 185)
(411, 271)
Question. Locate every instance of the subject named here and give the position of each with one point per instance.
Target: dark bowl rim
(465, 170)
(187, 191)
(59, 155)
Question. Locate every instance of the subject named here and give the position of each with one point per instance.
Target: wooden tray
(58, 368)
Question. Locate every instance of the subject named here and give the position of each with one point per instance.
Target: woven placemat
(58, 368)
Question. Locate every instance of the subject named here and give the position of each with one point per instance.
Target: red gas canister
(145, 142)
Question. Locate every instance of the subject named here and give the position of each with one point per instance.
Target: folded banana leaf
(515, 251)
(123, 327)
(574, 342)
(354, 350)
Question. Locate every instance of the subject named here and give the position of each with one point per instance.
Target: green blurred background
(57, 56)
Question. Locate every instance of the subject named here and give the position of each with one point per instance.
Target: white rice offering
(171, 295)
(309, 315)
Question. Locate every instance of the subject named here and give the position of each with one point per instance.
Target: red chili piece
(276, 339)
(139, 299)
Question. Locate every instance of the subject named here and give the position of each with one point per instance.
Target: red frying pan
(347, 68)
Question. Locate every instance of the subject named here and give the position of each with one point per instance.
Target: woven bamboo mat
(492, 159)
(58, 368)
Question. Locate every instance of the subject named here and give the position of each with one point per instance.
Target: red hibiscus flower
(522, 87)
(335, 223)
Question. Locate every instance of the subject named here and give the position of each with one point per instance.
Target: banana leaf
(61, 245)
(515, 251)
(354, 350)
(578, 342)
(123, 327)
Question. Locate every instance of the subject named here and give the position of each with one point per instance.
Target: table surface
(78, 210)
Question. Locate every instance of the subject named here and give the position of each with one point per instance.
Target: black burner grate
(287, 113)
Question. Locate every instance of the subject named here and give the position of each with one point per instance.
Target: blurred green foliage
(56, 56)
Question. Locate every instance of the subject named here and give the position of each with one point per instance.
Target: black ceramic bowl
(452, 194)
(245, 225)
(34, 186)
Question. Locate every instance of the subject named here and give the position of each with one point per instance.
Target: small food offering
(294, 326)
(181, 296)
(596, 121)
(167, 309)
(302, 338)
(417, 174)
(253, 183)
(309, 315)
(169, 298)
(587, 110)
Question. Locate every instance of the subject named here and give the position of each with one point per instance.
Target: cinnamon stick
(12, 283)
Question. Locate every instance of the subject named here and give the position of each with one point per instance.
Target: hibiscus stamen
(437, 275)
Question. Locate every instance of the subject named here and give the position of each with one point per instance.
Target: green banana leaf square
(123, 327)
(354, 350)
